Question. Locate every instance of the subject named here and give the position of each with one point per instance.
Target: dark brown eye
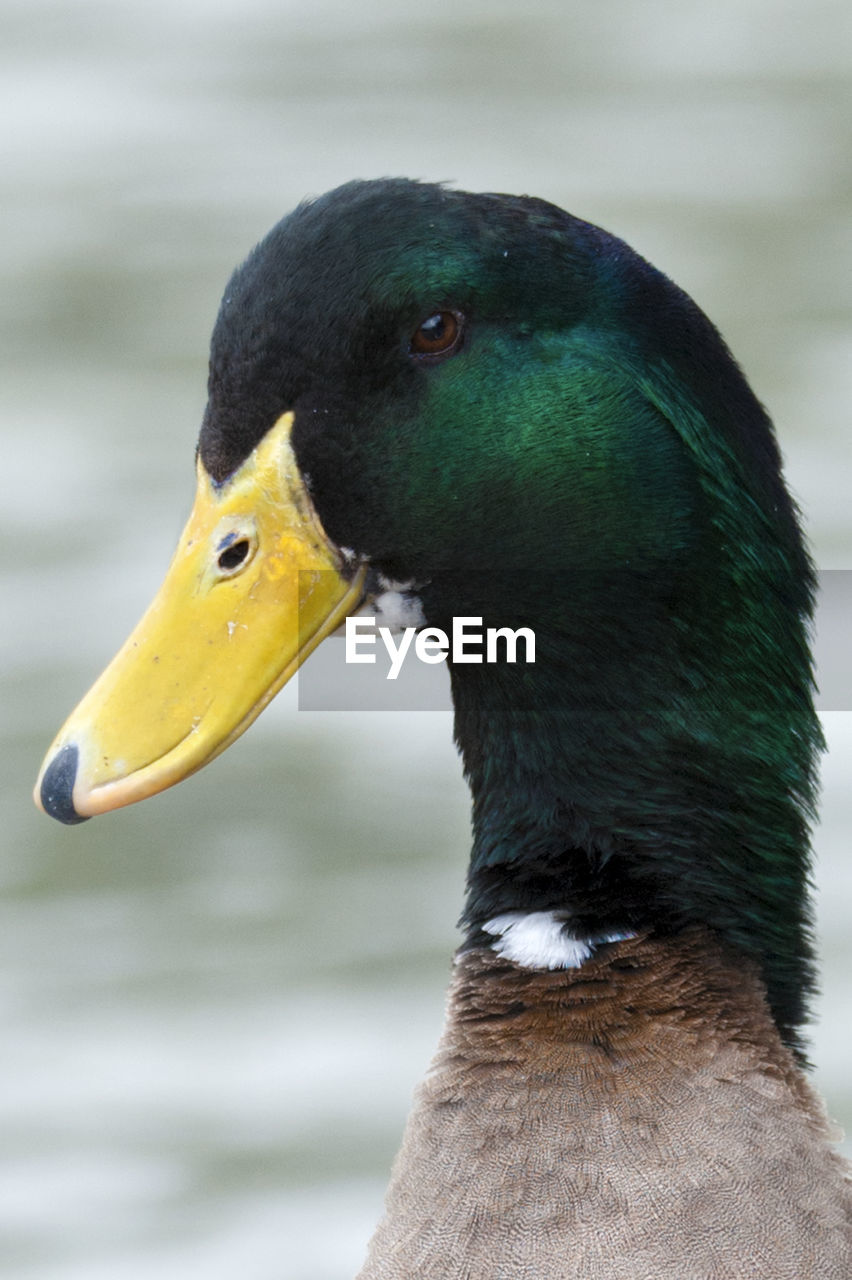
(439, 335)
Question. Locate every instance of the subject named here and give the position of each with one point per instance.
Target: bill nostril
(57, 786)
(234, 555)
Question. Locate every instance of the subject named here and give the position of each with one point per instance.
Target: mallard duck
(444, 405)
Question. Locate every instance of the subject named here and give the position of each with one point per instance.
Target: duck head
(496, 409)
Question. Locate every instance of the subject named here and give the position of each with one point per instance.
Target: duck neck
(645, 778)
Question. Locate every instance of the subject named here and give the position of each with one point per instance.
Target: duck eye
(439, 335)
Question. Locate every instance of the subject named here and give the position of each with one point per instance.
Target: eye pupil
(433, 329)
(438, 335)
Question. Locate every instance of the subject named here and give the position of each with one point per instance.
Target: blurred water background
(215, 1005)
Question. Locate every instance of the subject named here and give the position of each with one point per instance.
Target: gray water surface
(215, 1005)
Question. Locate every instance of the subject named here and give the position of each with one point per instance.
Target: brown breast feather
(636, 1119)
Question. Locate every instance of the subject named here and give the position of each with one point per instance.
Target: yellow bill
(254, 586)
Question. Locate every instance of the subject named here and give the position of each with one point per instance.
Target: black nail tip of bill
(57, 786)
